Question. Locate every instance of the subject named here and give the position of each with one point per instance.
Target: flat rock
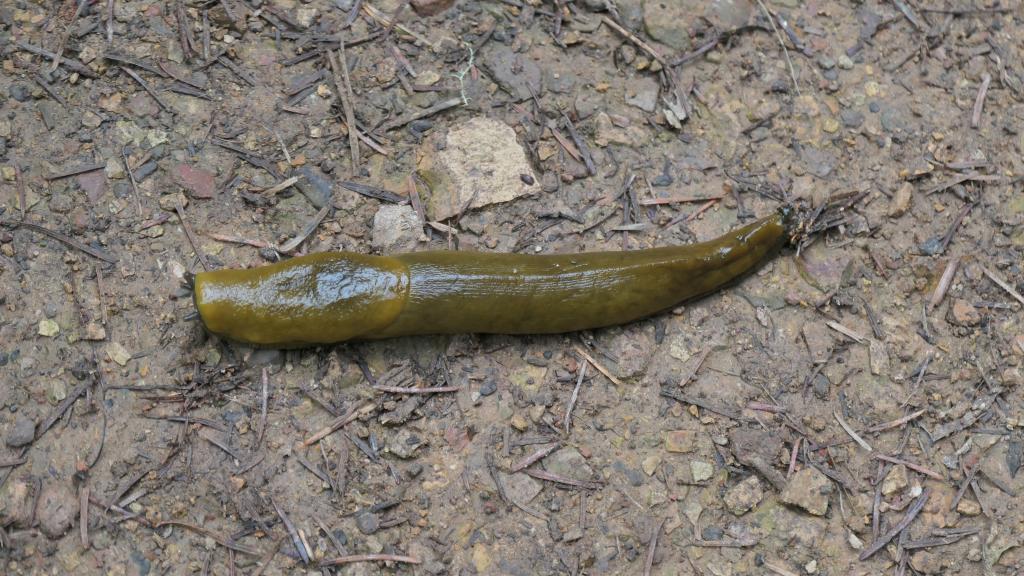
(477, 163)
(808, 489)
(516, 73)
(396, 228)
(570, 463)
(744, 496)
(57, 509)
(963, 313)
(643, 94)
(900, 202)
(314, 185)
(94, 184)
(520, 487)
(199, 182)
(21, 432)
(701, 471)
(680, 441)
(895, 481)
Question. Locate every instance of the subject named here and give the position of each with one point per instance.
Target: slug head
(316, 299)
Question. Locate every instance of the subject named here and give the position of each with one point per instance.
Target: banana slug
(331, 297)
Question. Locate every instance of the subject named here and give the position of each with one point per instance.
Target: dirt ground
(852, 409)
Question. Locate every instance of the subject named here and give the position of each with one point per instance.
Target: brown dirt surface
(854, 408)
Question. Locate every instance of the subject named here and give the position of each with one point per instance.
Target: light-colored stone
(396, 228)
(744, 496)
(895, 481)
(701, 471)
(808, 489)
(118, 354)
(48, 328)
(900, 202)
(480, 163)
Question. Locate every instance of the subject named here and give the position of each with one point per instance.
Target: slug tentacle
(332, 297)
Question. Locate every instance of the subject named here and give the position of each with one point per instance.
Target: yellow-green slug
(331, 297)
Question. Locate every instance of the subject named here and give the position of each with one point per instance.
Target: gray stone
(568, 462)
(368, 522)
(57, 509)
(643, 93)
(314, 185)
(516, 73)
(22, 432)
(851, 118)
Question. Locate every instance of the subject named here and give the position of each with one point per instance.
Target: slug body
(331, 297)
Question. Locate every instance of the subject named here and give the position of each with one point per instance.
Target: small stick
(680, 199)
(785, 51)
(76, 171)
(338, 561)
(414, 199)
(70, 63)
(652, 547)
(600, 368)
(281, 185)
(22, 202)
(436, 108)
(131, 177)
(50, 90)
(846, 331)
(309, 228)
(110, 21)
(575, 395)
(188, 232)
(1002, 284)
(898, 421)
(944, 282)
(588, 158)
(206, 45)
(145, 87)
(915, 467)
(852, 434)
(763, 407)
(284, 148)
(792, 456)
(225, 542)
(694, 368)
(979, 102)
(633, 38)
(338, 422)
(94, 252)
(296, 541)
(344, 86)
(65, 36)
(264, 397)
(536, 456)
(707, 206)
(779, 569)
(545, 475)
(411, 390)
(908, 13)
(245, 76)
(907, 519)
(83, 514)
